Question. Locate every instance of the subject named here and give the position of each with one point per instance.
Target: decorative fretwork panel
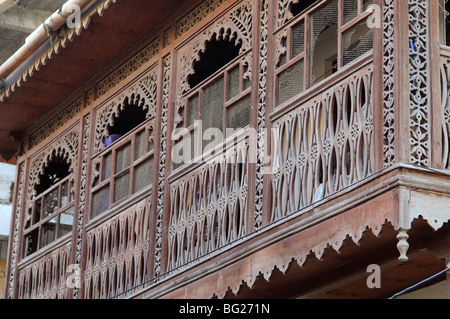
(324, 145)
(445, 110)
(208, 207)
(118, 254)
(388, 84)
(47, 278)
(419, 101)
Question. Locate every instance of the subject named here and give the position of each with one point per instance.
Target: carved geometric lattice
(388, 83)
(419, 83)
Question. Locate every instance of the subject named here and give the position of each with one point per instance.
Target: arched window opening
(218, 53)
(219, 98)
(129, 118)
(126, 165)
(52, 208)
(53, 173)
(300, 6)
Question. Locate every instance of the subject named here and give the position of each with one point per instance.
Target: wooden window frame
(38, 225)
(109, 181)
(243, 92)
(306, 55)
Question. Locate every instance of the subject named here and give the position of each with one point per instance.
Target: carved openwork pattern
(419, 83)
(55, 123)
(261, 117)
(283, 12)
(16, 230)
(235, 27)
(46, 278)
(118, 253)
(324, 145)
(125, 70)
(82, 196)
(445, 110)
(142, 93)
(162, 164)
(209, 207)
(388, 83)
(197, 15)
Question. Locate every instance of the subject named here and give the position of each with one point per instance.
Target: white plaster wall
(7, 176)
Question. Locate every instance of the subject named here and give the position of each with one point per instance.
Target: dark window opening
(218, 53)
(52, 209)
(300, 6)
(130, 117)
(56, 170)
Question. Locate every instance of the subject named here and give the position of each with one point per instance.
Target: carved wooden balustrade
(209, 204)
(323, 145)
(445, 105)
(119, 253)
(48, 277)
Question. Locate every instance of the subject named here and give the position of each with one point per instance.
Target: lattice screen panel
(212, 116)
(238, 114)
(356, 41)
(290, 81)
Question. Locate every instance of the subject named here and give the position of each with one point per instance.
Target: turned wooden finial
(402, 244)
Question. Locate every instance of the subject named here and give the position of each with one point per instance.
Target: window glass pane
(37, 211)
(192, 110)
(64, 193)
(356, 41)
(324, 41)
(121, 185)
(51, 203)
(65, 222)
(184, 150)
(212, 116)
(233, 82)
(123, 158)
(139, 145)
(106, 168)
(290, 82)
(100, 201)
(298, 38)
(143, 175)
(349, 10)
(238, 115)
(366, 4)
(48, 232)
(30, 244)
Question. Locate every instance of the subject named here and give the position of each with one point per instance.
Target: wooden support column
(401, 80)
(435, 88)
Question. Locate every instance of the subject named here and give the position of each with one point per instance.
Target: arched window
(217, 54)
(219, 98)
(52, 207)
(125, 166)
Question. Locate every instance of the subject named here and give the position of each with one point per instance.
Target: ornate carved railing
(47, 277)
(119, 253)
(209, 204)
(445, 105)
(323, 145)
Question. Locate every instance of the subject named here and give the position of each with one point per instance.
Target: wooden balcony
(334, 184)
